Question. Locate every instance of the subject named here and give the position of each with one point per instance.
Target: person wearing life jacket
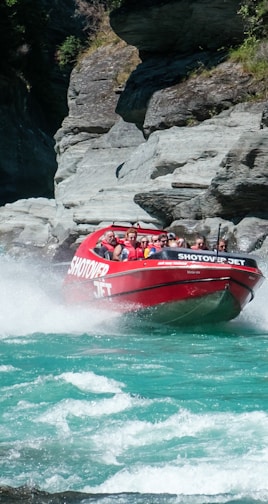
(144, 244)
(154, 245)
(110, 247)
(131, 248)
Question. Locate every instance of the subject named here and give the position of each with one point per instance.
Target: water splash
(31, 301)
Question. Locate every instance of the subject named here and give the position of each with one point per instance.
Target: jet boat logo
(210, 258)
(103, 289)
(87, 268)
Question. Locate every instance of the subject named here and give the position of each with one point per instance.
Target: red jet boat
(175, 286)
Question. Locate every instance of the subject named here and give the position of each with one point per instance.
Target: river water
(92, 410)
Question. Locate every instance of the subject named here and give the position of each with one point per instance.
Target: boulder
(178, 26)
(240, 186)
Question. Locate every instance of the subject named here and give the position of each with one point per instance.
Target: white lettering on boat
(208, 258)
(103, 289)
(87, 268)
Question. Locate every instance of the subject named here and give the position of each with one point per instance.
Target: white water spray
(31, 301)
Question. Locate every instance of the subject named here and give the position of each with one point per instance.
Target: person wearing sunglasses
(144, 244)
(163, 239)
(154, 245)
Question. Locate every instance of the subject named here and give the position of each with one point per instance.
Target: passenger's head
(181, 243)
(155, 240)
(222, 245)
(110, 237)
(144, 241)
(163, 239)
(171, 237)
(200, 242)
(131, 235)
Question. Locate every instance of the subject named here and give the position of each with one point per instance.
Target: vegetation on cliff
(253, 52)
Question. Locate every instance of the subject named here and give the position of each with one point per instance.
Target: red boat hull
(197, 287)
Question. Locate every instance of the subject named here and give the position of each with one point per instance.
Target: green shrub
(68, 51)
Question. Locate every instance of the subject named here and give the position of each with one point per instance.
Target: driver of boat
(110, 247)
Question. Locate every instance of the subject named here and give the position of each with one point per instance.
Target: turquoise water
(128, 414)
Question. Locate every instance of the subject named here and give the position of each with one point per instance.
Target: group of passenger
(130, 248)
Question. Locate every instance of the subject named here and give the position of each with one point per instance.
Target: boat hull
(216, 307)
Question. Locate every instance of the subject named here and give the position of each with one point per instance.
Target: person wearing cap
(172, 240)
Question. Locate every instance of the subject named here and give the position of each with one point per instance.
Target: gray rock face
(200, 98)
(240, 186)
(158, 76)
(181, 26)
(92, 99)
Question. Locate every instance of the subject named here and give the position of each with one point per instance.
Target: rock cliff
(152, 137)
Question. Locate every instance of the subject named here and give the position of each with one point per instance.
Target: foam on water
(90, 382)
(236, 477)
(76, 408)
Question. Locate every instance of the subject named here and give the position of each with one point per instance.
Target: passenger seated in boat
(163, 239)
(182, 243)
(221, 246)
(110, 247)
(200, 243)
(172, 240)
(154, 245)
(131, 247)
(144, 244)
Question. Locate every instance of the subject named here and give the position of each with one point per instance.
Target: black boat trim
(183, 282)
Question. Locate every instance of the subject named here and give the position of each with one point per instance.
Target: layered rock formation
(172, 147)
